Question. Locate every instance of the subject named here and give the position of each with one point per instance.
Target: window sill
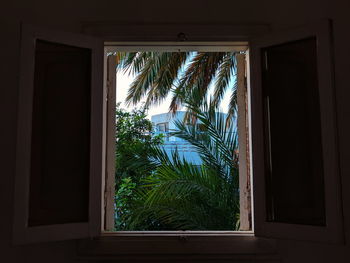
(178, 245)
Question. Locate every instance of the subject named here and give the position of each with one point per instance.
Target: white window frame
(110, 85)
(233, 244)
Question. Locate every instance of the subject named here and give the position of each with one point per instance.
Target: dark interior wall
(68, 15)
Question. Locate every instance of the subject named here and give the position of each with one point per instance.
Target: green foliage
(124, 196)
(179, 195)
(133, 142)
(162, 192)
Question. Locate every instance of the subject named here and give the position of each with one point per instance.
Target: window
(163, 127)
(186, 149)
(269, 58)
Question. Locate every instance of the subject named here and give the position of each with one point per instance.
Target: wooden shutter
(59, 142)
(297, 192)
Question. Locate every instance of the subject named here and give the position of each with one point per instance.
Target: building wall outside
(172, 143)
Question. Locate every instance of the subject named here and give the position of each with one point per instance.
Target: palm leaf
(180, 195)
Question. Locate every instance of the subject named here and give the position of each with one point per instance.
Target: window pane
(60, 135)
(295, 188)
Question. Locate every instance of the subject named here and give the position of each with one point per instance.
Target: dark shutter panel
(296, 191)
(59, 150)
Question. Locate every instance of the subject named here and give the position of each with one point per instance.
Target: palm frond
(232, 109)
(197, 78)
(160, 73)
(187, 197)
(225, 74)
(181, 195)
(155, 74)
(166, 76)
(220, 137)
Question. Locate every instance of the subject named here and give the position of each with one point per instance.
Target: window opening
(177, 158)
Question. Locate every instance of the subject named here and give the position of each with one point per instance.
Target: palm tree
(180, 195)
(185, 75)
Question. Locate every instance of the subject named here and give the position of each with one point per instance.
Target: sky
(124, 81)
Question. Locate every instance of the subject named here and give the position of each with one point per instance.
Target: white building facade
(164, 123)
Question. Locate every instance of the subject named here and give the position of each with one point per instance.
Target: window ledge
(178, 245)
